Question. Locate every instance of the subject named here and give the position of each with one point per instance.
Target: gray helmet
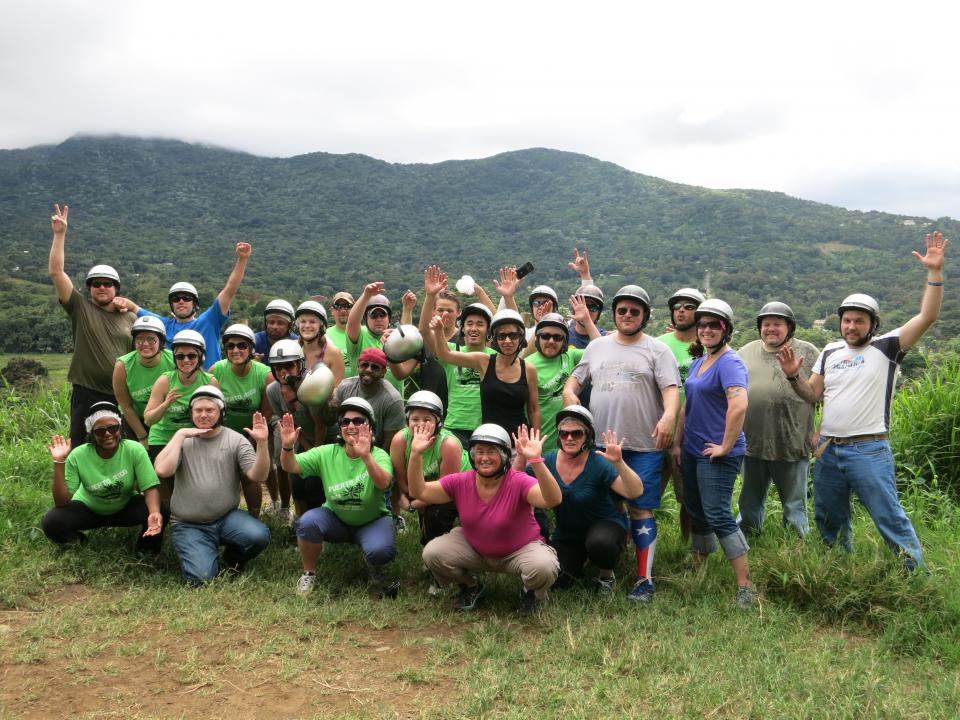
(211, 392)
(279, 307)
(405, 342)
(357, 403)
(239, 330)
(378, 301)
(429, 401)
(637, 294)
(492, 434)
(189, 337)
(717, 308)
(552, 320)
(591, 292)
(102, 271)
(544, 291)
(691, 294)
(581, 415)
(863, 303)
(149, 323)
(312, 307)
(183, 288)
(778, 309)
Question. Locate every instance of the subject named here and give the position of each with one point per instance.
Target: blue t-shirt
(209, 324)
(577, 339)
(262, 343)
(587, 499)
(705, 413)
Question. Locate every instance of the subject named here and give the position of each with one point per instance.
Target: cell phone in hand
(524, 270)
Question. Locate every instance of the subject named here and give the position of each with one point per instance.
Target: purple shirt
(705, 414)
(504, 524)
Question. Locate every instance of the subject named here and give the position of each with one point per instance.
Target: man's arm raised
(236, 277)
(915, 327)
(61, 281)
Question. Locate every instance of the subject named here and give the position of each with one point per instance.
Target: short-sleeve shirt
(351, 493)
(464, 410)
(628, 380)
(209, 323)
(105, 485)
(779, 423)
(242, 394)
(99, 338)
(387, 404)
(504, 524)
(705, 412)
(208, 477)
(339, 338)
(262, 344)
(587, 500)
(679, 348)
(367, 340)
(552, 374)
(177, 415)
(140, 379)
(858, 385)
(577, 339)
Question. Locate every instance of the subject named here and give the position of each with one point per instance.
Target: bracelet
(792, 378)
(289, 449)
(935, 284)
(59, 462)
(534, 461)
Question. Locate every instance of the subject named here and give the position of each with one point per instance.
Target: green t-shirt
(552, 375)
(105, 485)
(339, 338)
(99, 338)
(463, 393)
(431, 458)
(351, 494)
(178, 414)
(368, 339)
(679, 350)
(140, 379)
(243, 394)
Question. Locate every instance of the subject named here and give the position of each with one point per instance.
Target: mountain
(163, 210)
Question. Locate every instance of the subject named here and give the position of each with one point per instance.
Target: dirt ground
(362, 681)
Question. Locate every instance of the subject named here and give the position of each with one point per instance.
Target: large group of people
(526, 441)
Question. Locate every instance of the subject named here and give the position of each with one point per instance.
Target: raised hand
(409, 300)
(154, 524)
(936, 246)
(578, 306)
(59, 448)
(790, 361)
(436, 326)
(527, 441)
(422, 439)
(172, 396)
(244, 249)
(507, 283)
(613, 449)
(289, 432)
(58, 221)
(259, 432)
(362, 441)
(374, 288)
(434, 280)
(580, 264)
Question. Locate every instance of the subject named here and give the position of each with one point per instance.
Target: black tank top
(504, 403)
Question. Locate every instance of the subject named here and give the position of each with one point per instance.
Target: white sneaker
(306, 583)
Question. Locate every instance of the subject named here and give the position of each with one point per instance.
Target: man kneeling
(210, 464)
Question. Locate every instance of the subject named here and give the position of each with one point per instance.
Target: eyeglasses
(102, 284)
(185, 356)
(710, 325)
(146, 340)
(684, 306)
(551, 336)
(342, 306)
(367, 365)
(540, 302)
(594, 308)
(572, 434)
(631, 311)
(111, 429)
(237, 346)
(514, 336)
(378, 314)
(358, 421)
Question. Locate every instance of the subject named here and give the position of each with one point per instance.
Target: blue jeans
(198, 544)
(790, 477)
(708, 497)
(377, 539)
(864, 468)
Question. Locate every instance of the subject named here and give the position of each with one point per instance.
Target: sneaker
(400, 522)
(468, 596)
(746, 597)
(605, 584)
(528, 604)
(643, 591)
(282, 514)
(434, 590)
(390, 591)
(306, 583)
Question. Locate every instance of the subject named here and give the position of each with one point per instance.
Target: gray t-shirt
(779, 423)
(387, 405)
(207, 482)
(627, 384)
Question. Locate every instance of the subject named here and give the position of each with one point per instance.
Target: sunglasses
(594, 308)
(378, 314)
(342, 306)
(515, 336)
(551, 336)
(572, 434)
(237, 346)
(347, 422)
(111, 429)
(631, 311)
(181, 298)
(710, 325)
(367, 365)
(540, 302)
(102, 284)
(146, 340)
(186, 356)
(684, 306)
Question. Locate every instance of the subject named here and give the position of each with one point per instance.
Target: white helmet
(544, 291)
(505, 317)
(183, 288)
(279, 307)
(239, 330)
(863, 303)
(404, 343)
(312, 307)
(210, 392)
(355, 402)
(691, 294)
(491, 434)
(189, 337)
(284, 351)
(317, 386)
(149, 323)
(429, 401)
(102, 271)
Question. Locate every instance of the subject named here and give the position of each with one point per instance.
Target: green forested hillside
(163, 210)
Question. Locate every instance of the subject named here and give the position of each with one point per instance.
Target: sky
(850, 103)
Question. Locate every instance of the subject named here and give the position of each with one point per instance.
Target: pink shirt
(501, 526)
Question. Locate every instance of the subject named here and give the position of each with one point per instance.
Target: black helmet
(778, 309)
(637, 294)
(591, 292)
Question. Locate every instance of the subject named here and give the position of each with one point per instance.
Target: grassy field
(98, 632)
(56, 364)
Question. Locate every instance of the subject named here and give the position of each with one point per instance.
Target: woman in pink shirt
(497, 530)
